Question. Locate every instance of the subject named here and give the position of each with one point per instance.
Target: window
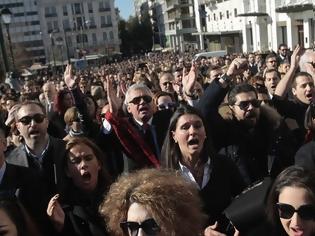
(235, 12)
(111, 35)
(90, 7)
(109, 20)
(64, 10)
(103, 21)
(214, 18)
(66, 24)
(221, 15)
(94, 38)
(77, 8)
(49, 27)
(50, 12)
(55, 24)
(105, 36)
(92, 22)
(227, 15)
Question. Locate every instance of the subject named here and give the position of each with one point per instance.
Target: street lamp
(6, 15)
(3, 51)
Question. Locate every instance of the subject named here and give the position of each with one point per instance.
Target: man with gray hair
(142, 134)
(307, 62)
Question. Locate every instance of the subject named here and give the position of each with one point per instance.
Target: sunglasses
(165, 106)
(38, 118)
(167, 83)
(131, 228)
(137, 100)
(312, 63)
(244, 105)
(286, 211)
(271, 61)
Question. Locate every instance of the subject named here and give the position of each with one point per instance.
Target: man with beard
(248, 132)
(283, 55)
(42, 155)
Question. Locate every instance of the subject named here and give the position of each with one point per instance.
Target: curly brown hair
(173, 201)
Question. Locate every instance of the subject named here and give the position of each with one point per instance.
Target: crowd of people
(160, 144)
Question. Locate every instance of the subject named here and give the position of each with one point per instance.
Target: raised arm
(284, 84)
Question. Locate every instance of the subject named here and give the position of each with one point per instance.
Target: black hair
(240, 88)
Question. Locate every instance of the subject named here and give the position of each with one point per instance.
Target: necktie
(150, 138)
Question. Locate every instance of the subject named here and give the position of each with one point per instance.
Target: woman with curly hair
(154, 202)
(291, 203)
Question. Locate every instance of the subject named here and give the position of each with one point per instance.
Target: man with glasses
(41, 153)
(166, 82)
(143, 134)
(283, 55)
(248, 133)
(271, 62)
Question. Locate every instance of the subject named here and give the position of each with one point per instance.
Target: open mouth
(273, 87)
(309, 96)
(193, 142)
(297, 231)
(86, 176)
(34, 132)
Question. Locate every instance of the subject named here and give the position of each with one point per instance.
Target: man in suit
(142, 133)
(50, 93)
(41, 154)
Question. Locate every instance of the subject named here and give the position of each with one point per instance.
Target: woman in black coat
(187, 148)
(75, 210)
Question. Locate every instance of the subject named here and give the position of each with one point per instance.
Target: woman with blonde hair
(155, 202)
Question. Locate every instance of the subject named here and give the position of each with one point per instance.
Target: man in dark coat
(253, 135)
(42, 155)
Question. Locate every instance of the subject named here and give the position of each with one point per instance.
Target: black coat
(248, 148)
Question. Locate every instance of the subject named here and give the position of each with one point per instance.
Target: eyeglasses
(137, 100)
(244, 105)
(165, 106)
(274, 61)
(167, 83)
(149, 226)
(306, 212)
(38, 118)
(312, 63)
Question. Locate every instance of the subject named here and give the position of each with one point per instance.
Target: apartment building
(73, 28)
(257, 25)
(25, 32)
(174, 22)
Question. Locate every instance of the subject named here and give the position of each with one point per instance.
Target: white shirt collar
(140, 123)
(189, 176)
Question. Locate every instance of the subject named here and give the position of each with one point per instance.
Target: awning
(295, 8)
(37, 66)
(218, 32)
(252, 14)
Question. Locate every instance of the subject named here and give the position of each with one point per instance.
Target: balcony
(106, 25)
(92, 26)
(288, 6)
(47, 15)
(104, 9)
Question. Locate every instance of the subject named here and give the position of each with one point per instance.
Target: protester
(291, 204)
(153, 202)
(86, 183)
(187, 148)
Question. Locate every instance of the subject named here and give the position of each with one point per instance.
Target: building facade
(74, 28)
(25, 33)
(257, 25)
